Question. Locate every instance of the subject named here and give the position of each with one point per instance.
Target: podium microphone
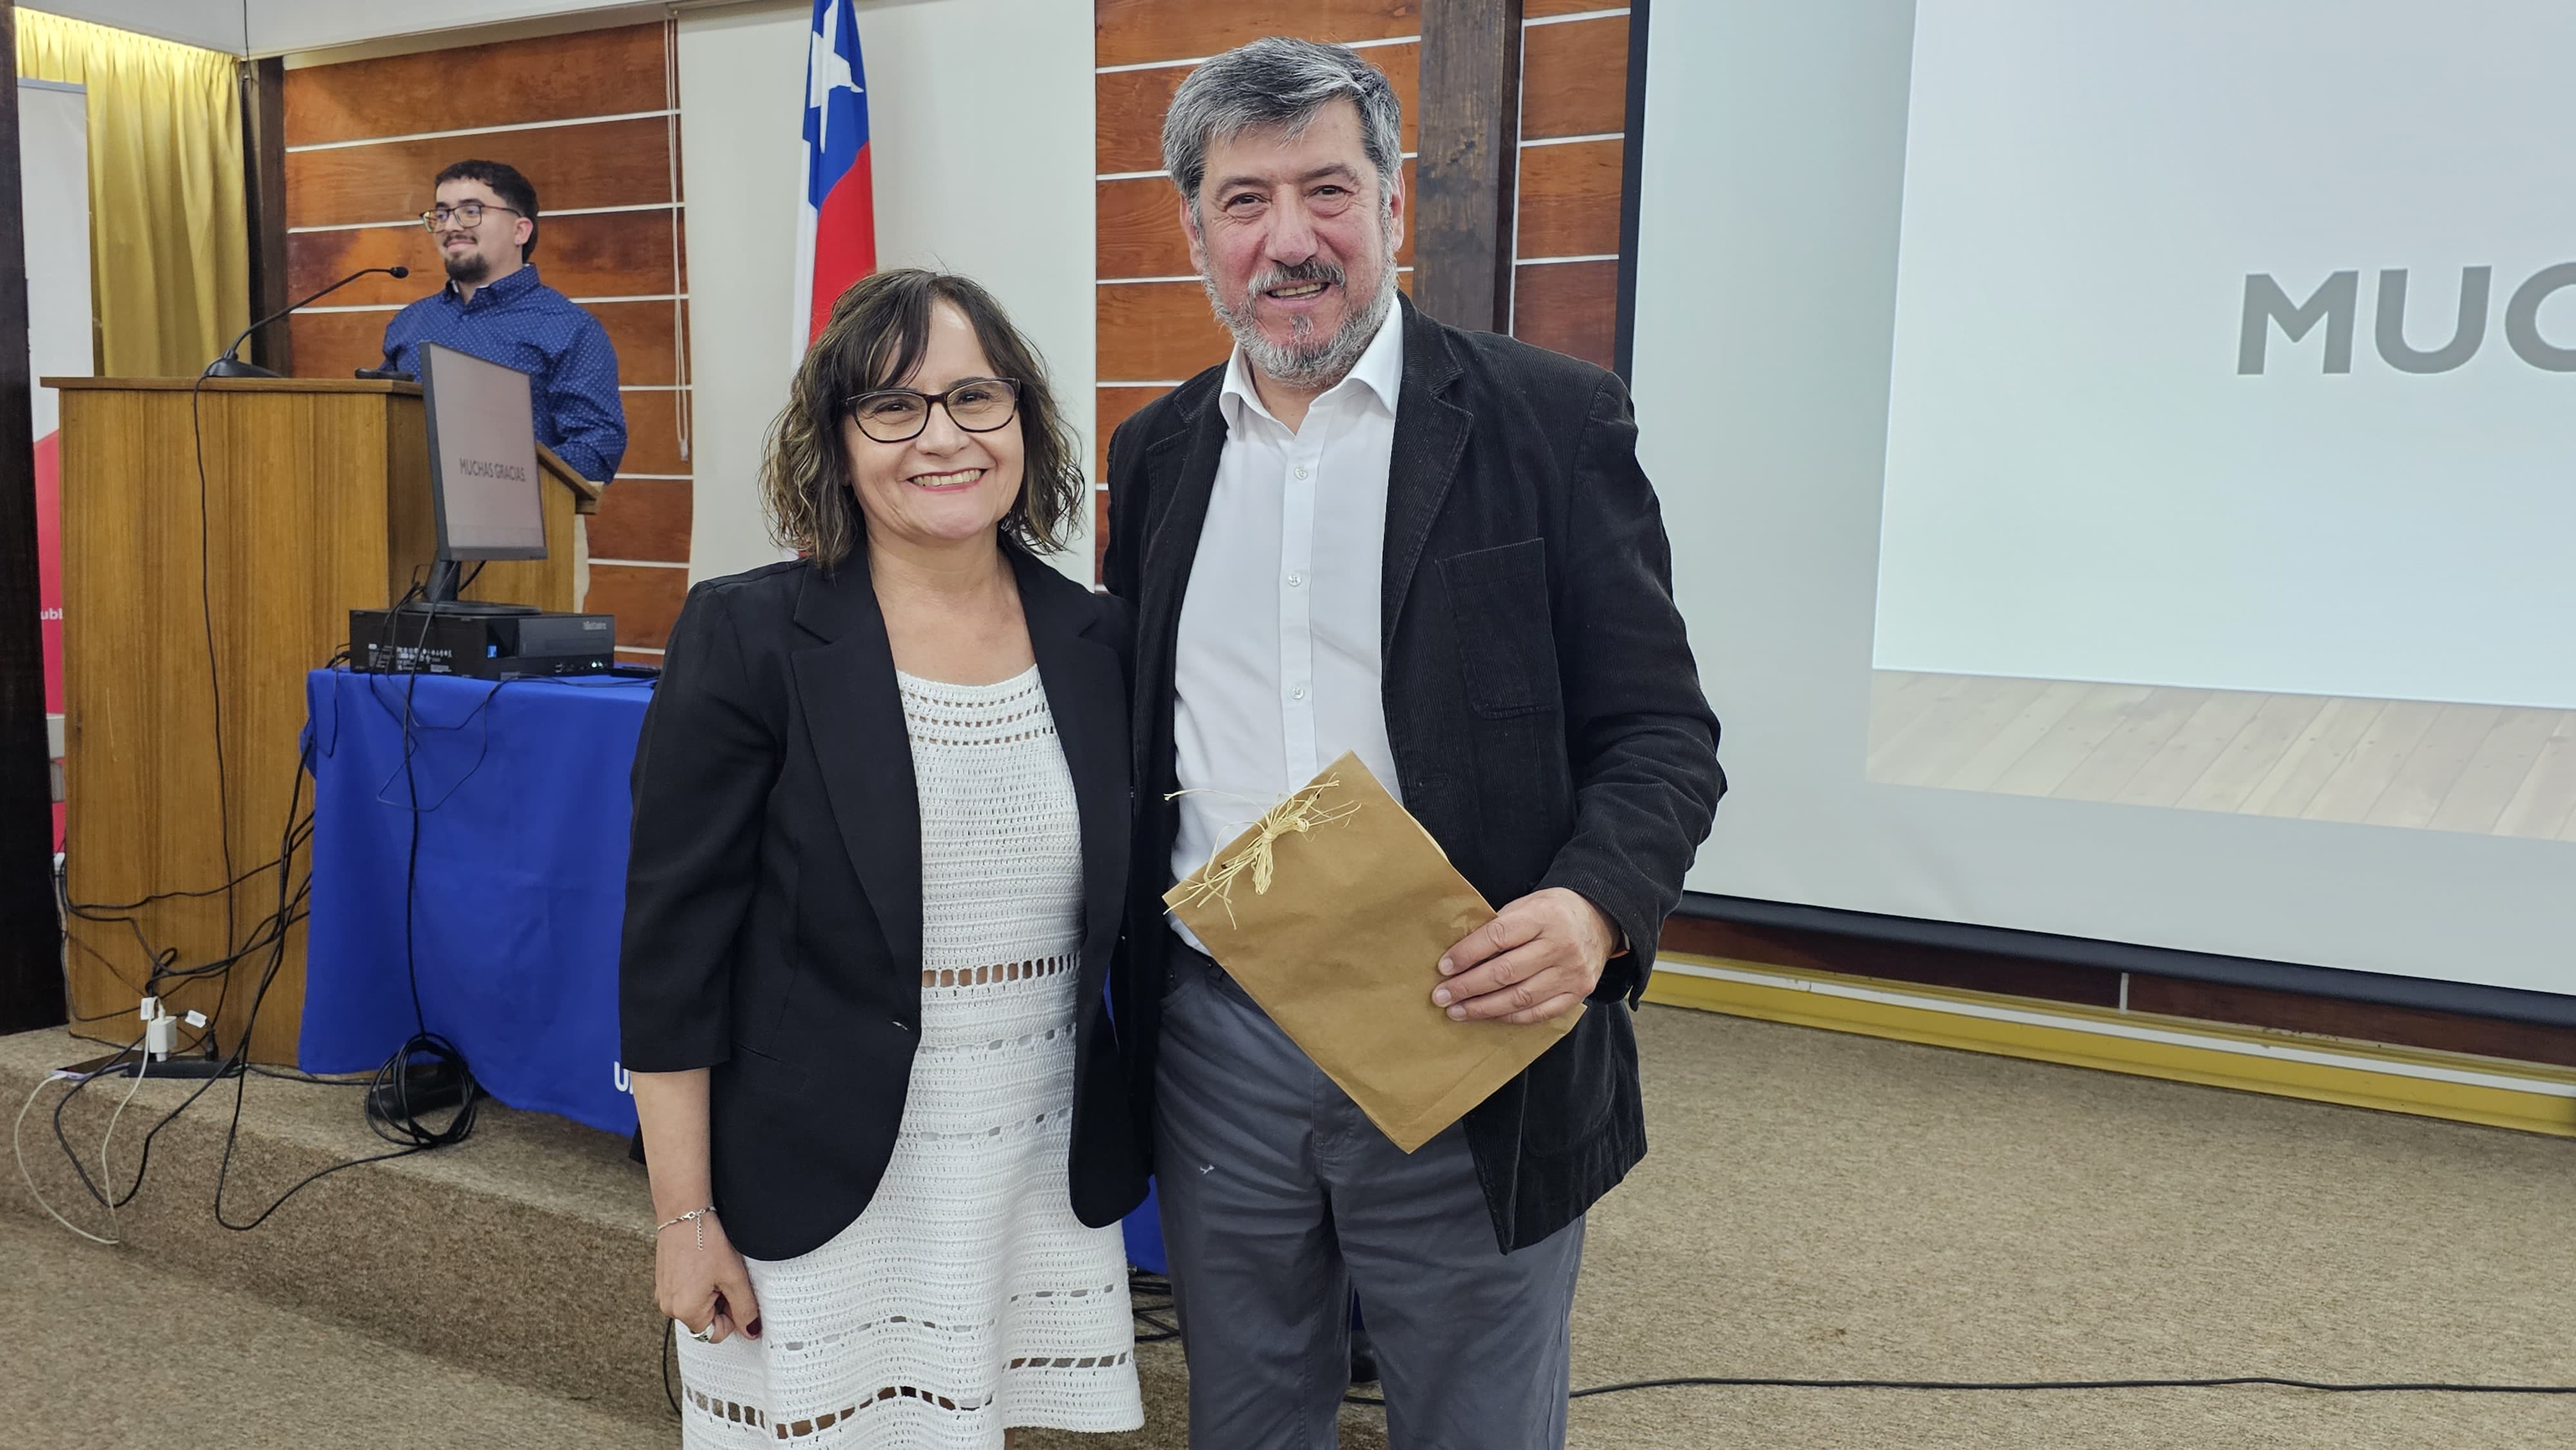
(230, 366)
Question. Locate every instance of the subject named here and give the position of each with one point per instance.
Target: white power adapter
(161, 1030)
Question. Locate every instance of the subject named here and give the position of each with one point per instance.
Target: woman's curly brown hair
(877, 334)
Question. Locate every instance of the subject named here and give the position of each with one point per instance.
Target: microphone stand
(231, 366)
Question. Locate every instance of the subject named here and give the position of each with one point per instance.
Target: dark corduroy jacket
(1540, 695)
(773, 889)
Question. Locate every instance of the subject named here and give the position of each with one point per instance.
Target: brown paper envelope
(1344, 948)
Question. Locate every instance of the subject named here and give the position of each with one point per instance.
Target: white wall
(210, 23)
(276, 27)
(980, 122)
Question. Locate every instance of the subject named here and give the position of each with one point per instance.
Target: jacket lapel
(1180, 467)
(854, 715)
(1430, 438)
(1087, 696)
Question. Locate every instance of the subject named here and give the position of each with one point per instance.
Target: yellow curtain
(168, 244)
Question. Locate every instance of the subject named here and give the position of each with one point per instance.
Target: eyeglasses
(466, 214)
(897, 415)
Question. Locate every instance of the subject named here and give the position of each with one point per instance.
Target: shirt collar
(509, 289)
(1380, 370)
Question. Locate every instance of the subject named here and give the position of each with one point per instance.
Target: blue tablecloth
(521, 884)
(521, 879)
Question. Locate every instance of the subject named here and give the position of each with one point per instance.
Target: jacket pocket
(1506, 638)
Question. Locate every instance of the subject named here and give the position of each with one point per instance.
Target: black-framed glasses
(897, 415)
(466, 214)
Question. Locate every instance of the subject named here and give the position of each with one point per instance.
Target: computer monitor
(484, 483)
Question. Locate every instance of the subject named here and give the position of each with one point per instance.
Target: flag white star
(827, 71)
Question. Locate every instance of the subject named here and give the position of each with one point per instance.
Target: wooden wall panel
(604, 163)
(643, 518)
(600, 254)
(544, 78)
(1131, 104)
(314, 260)
(1570, 199)
(1569, 307)
(1157, 332)
(330, 344)
(1128, 107)
(1574, 78)
(1574, 82)
(1132, 32)
(646, 337)
(585, 116)
(1114, 407)
(1140, 229)
(652, 434)
(645, 600)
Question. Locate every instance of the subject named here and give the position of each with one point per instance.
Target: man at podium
(494, 308)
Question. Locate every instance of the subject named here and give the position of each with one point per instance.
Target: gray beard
(1305, 360)
(469, 269)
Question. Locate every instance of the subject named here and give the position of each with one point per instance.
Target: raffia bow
(1300, 812)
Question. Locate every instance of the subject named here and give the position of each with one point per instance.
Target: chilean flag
(836, 224)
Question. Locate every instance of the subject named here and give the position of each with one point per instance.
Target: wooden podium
(215, 537)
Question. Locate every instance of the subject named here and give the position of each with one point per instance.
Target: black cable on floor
(1149, 1299)
(2022, 1386)
(670, 1351)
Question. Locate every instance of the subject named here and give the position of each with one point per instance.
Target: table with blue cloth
(520, 876)
(521, 879)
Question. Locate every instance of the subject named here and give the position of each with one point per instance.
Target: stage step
(524, 1254)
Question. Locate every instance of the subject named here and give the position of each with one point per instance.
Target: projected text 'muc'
(2336, 302)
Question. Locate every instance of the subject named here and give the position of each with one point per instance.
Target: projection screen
(2121, 465)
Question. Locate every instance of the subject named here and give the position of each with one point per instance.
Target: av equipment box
(484, 646)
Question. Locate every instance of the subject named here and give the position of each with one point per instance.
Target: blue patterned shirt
(520, 322)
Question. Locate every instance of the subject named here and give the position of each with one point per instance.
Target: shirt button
(1301, 470)
(1296, 580)
(1297, 694)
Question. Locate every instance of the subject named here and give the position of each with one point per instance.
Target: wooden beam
(31, 971)
(263, 107)
(1470, 160)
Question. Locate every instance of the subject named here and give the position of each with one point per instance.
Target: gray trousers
(1279, 1197)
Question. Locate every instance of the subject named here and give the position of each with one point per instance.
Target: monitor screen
(482, 457)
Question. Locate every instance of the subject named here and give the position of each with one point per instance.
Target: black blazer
(1546, 715)
(773, 889)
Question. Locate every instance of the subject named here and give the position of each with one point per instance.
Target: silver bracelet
(696, 1218)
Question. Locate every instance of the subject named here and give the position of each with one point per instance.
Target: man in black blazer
(1373, 532)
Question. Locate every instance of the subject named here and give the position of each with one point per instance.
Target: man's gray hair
(1282, 83)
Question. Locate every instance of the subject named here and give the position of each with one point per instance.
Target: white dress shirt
(1277, 666)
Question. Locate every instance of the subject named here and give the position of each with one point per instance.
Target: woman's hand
(702, 1282)
(698, 1279)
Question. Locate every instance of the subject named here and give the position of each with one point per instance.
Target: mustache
(1313, 269)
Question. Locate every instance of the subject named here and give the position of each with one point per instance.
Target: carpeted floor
(1814, 1205)
(115, 1352)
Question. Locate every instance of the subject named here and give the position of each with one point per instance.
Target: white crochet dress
(967, 1298)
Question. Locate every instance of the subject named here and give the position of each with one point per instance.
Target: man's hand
(1538, 958)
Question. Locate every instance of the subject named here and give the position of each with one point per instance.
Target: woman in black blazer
(879, 851)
